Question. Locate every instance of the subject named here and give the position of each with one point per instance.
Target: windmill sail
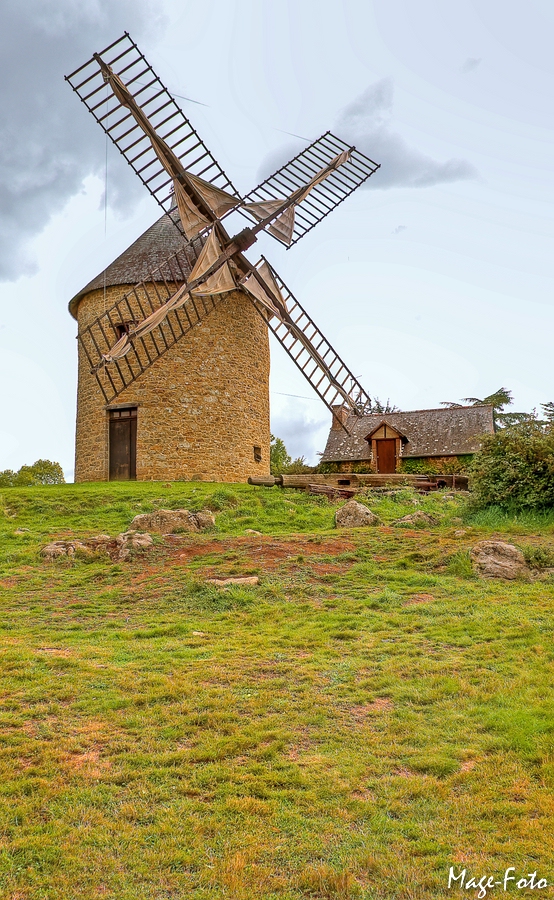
(283, 226)
(172, 313)
(166, 152)
(317, 181)
(221, 281)
(263, 287)
(136, 111)
(312, 353)
(155, 314)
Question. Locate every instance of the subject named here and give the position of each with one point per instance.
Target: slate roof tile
(430, 432)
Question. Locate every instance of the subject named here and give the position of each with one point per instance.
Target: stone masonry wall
(202, 407)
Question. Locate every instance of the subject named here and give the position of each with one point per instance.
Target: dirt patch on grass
(90, 764)
(380, 704)
(404, 772)
(418, 598)
(264, 554)
(363, 795)
(61, 652)
(301, 746)
(9, 582)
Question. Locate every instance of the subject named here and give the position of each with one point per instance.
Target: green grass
(366, 717)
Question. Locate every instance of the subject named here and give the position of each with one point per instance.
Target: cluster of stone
(137, 538)
(118, 548)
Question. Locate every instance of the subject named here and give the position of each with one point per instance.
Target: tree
(298, 466)
(548, 409)
(280, 462)
(43, 471)
(380, 408)
(501, 398)
(279, 458)
(498, 400)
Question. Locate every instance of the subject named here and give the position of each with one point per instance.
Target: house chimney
(340, 415)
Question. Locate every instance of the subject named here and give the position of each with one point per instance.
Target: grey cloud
(399, 228)
(366, 122)
(49, 143)
(277, 158)
(470, 64)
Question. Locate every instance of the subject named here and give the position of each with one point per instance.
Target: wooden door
(386, 456)
(123, 444)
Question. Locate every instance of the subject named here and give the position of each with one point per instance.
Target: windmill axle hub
(244, 239)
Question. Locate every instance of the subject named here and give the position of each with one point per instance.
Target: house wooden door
(123, 444)
(386, 456)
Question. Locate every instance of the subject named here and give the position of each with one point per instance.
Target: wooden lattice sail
(135, 109)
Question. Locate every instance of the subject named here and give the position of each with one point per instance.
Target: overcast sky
(433, 283)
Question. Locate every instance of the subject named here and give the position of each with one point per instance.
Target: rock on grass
(496, 559)
(418, 519)
(117, 548)
(355, 515)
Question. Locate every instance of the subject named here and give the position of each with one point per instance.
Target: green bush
(538, 557)
(298, 466)
(515, 468)
(221, 499)
(444, 465)
(327, 468)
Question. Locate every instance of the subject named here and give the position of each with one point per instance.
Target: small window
(122, 328)
(129, 413)
(344, 481)
(257, 454)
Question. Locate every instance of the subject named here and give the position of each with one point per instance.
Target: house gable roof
(392, 427)
(429, 432)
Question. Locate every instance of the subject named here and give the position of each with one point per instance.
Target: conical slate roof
(148, 252)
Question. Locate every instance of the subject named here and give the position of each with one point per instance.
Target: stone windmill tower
(201, 411)
(173, 336)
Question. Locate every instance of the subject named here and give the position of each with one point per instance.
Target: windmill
(125, 340)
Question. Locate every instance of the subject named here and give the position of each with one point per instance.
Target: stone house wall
(202, 408)
(441, 464)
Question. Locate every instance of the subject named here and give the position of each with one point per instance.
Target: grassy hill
(366, 717)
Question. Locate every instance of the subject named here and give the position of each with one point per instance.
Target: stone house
(199, 412)
(422, 440)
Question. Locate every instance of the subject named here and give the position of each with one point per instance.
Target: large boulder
(168, 521)
(496, 559)
(205, 519)
(418, 519)
(354, 515)
(131, 541)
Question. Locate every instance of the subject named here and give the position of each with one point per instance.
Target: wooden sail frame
(289, 322)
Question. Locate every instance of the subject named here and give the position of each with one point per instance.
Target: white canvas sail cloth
(219, 282)
(193, 218)
(125, 342)
(283, 226)
(269, 295)
(222, 279)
